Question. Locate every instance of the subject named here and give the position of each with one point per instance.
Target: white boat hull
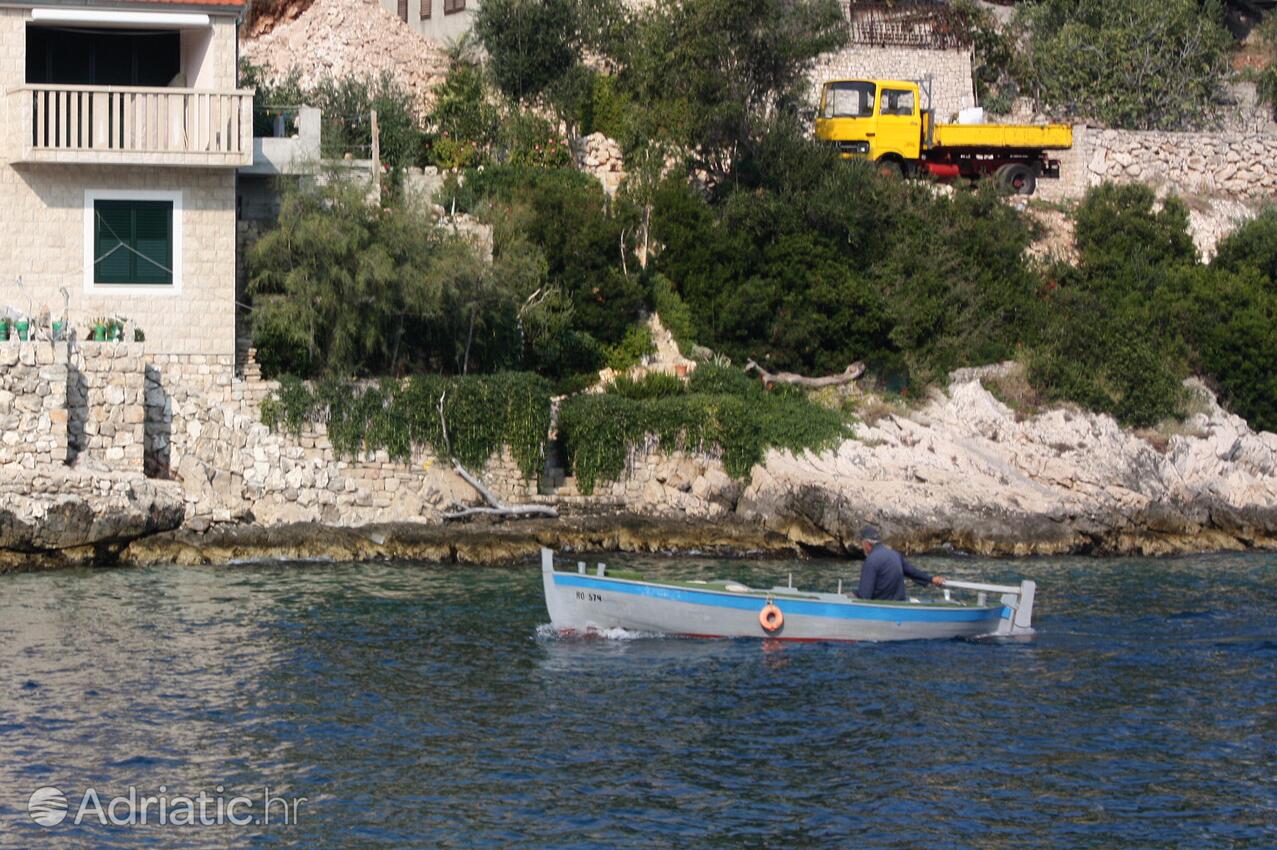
(582, 602)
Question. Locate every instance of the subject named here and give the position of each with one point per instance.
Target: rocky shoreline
(962, 471)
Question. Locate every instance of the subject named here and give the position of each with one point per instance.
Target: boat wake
(547, 631)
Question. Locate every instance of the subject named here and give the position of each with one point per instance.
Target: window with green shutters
(133, 242)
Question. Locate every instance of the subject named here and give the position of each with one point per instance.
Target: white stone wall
(1237, 165)
(952, 86)
(42, 214)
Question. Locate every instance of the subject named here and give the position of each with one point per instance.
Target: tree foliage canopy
(1128, 63)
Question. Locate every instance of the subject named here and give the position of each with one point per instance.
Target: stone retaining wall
(1241, 166)
(113, 411)
(33, 404)
(105, 401)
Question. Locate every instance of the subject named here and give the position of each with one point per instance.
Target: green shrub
(651, 385)
(1128, 63)
(346, 105)
(710, 379)
(599, 431)
(630, 351)
(1114, 337)
(463, 119)
(607, 110)
(482, 413)
(1253, 245)
(531, 45)
(571, 221)
(531, 141)
(675, 315)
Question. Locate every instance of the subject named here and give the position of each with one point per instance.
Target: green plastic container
(59, 331)
(4, 329)
(24, 330)
(99, 333)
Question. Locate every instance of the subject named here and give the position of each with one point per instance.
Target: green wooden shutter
(153, 240)
(133, 242)
(113, 231)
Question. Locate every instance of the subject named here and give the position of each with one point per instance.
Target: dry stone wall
(33, 409)
(1238, 165)
(1242, 166)
(86, 411)
(104, 398)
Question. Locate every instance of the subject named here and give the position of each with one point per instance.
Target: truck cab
(877, 119)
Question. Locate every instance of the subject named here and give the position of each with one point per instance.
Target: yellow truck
(884, 121)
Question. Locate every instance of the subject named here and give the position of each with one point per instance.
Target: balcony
(113, 125)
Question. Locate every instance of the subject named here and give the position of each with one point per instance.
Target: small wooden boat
(584, 601)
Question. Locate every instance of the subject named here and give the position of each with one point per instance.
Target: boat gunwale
(763, 595)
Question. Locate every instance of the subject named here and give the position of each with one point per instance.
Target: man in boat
(883, 574)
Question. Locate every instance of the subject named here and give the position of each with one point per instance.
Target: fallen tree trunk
(497, 507)
(851, 373)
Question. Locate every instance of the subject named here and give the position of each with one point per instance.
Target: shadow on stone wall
(77, 412)
(157, 438)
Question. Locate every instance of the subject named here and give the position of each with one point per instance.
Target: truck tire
(891, 167)
(1017, 177)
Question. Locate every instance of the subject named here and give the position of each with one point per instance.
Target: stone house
(123, 129)
(438, 20)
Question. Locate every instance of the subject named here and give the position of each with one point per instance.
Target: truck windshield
(849, 100)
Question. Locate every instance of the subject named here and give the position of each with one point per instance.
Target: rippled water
(417, 706)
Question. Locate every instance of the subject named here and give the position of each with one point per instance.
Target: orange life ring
(771, 618)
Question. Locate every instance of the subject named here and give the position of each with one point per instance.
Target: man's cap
(870, 533)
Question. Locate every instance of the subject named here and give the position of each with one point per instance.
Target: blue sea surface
(418, 706)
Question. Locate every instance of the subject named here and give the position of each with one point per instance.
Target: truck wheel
(891, 168)
(1019, 178)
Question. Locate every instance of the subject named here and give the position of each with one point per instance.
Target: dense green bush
(343, 287)
(630, 351)
(568, 217)
(1231, 317)
(651, 385)
(464, 120)
(531, 141)
(481, 413)
(600, 430)
(1128, 63)
(531, 44)
(1253, 245)
(1113, 342)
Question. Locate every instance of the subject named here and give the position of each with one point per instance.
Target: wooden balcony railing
(141, 126)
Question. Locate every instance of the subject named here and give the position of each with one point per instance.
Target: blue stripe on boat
(892, 613)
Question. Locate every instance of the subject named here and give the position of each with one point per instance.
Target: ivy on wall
(719, 408)
(482, 413)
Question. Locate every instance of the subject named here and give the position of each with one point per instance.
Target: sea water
(417, 705)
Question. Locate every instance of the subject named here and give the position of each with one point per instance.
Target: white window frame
(90, 220)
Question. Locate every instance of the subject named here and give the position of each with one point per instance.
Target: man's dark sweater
(883, 574)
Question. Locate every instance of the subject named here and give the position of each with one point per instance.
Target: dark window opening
(450, 6)
(74, 56)
(425, 9)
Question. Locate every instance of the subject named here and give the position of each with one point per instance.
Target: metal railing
(127, 120)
